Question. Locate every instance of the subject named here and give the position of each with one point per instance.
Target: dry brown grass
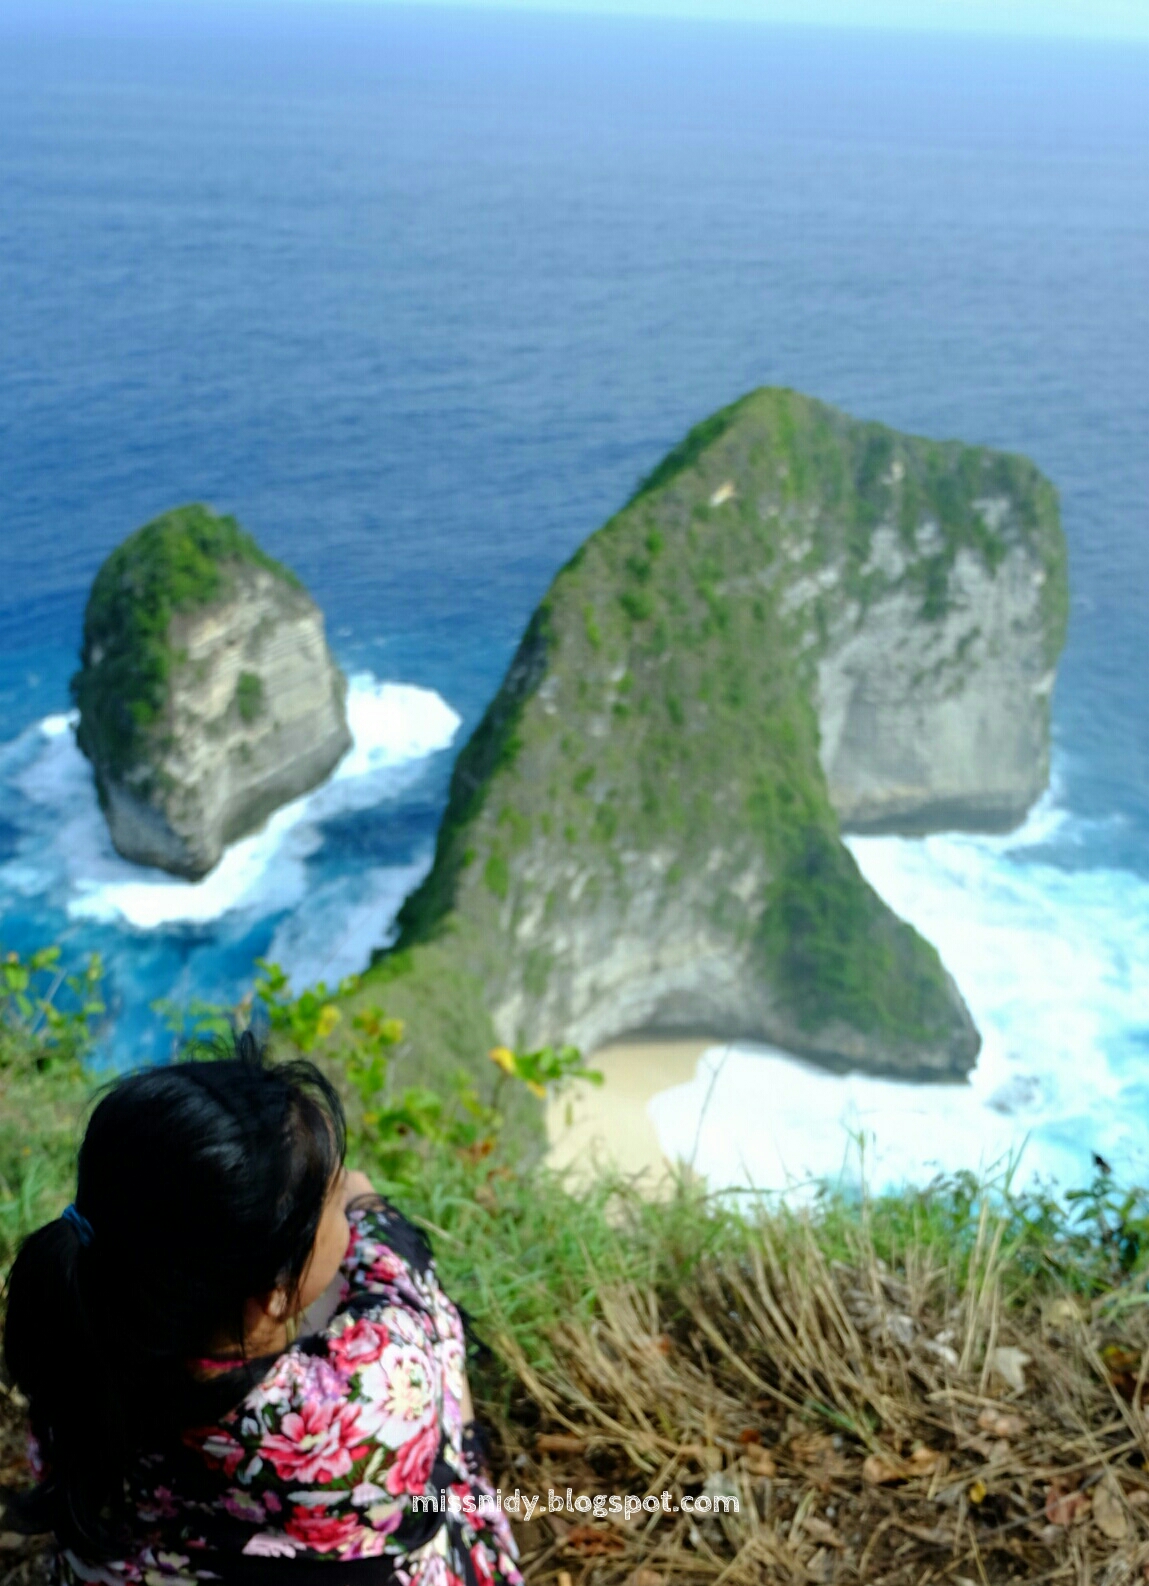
(858, 1415)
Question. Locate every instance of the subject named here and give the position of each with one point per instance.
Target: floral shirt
(318, 1465)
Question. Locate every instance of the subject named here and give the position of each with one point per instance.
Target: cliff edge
(798, 618)
(207, 694)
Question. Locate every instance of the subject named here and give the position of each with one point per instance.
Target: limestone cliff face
(796, 612)
(942, 725)
(208, 696)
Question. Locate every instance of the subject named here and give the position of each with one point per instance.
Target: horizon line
(1026, 19)
(1125, 21)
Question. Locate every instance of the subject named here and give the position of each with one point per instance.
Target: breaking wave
(64, 858)
(1051, 957)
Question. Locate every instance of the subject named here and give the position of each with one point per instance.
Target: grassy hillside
(932, 1386)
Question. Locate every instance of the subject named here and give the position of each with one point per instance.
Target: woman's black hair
(202, 1185)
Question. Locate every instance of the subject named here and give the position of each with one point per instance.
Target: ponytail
(56, 1351)
(200, 1186)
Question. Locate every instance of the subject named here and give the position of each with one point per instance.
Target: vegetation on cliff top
(860, 475)
(178, 562)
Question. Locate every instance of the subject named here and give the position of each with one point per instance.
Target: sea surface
(420, 295)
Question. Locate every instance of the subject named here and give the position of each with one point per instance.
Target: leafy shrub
(249, 696)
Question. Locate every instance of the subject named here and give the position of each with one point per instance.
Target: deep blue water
(420, 295)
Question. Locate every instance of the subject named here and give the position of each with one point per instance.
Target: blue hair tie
(79, 1222)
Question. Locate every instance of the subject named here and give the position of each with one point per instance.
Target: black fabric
(241, 1570)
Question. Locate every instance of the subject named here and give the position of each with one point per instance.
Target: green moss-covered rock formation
(640, 833)
(207, 695)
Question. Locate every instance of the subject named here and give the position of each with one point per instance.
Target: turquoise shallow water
(421, 294)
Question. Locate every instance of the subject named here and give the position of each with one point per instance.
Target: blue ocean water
(419, 294)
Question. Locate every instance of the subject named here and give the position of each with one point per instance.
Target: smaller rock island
(207, 694)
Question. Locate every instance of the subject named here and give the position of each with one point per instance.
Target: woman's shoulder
(384, 1240)
(390, 1314)
(372, 1376)
(389, 1293)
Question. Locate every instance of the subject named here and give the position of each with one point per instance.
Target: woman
(239, 1362)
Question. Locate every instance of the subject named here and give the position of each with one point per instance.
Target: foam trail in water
(1053, 963)
(66, 851)
(756, 1117)
(342, 923)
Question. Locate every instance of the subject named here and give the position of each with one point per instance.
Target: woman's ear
(277, 1304)
(263, 1314)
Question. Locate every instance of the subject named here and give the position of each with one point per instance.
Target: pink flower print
(433, 1571)
(271, 1503)
(242, 1506)
(173, 1563)
(399, 1393)
(358, 1345)
(218, 1448)
(316, 1443)
(385, 1266)
(368, 1544)
(326, 1533)
(413, 1462)
(295, 1379)
(481, 1563)
(365, 1494)
(384, 1517)
(269, 1544)
(163, 1503)
(437, 1572)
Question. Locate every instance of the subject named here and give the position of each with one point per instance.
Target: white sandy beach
(593, 1127)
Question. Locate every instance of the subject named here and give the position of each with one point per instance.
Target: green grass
(531, 1254)
(526, 1253)
(671, 1339)
(537, 1261)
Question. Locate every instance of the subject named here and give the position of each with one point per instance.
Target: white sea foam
(65, 850)
(1053, 963)
(345, 920)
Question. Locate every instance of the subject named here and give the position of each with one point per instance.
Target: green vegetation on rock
(249, 695)
(840, 953)
(639, 833)
(179, 562)
(208, 695)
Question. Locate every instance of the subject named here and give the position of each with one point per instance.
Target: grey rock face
(255, 718)
(939, 725)
(649, 957)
